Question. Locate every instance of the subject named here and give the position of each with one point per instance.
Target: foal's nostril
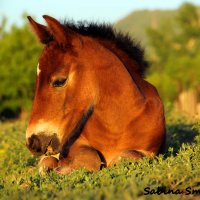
(34, 144)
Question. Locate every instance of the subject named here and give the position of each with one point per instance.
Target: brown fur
(106, 109)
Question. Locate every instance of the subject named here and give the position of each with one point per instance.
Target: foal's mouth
(50, 150)
(52, 147)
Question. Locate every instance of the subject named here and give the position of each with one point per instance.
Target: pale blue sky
(96, 10)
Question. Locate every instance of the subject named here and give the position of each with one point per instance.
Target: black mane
(107, 31)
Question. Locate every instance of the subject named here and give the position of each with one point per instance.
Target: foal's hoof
(47, 164)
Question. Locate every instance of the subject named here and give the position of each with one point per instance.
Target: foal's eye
(59, 82)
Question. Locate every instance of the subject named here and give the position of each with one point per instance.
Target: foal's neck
(131, 65)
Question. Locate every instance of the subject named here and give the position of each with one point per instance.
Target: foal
(91, 104)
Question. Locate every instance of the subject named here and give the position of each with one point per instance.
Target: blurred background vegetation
(171, 40)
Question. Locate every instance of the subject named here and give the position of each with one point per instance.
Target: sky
(92, 10)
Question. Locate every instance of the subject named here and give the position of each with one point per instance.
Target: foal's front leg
(47, 164)
(83, 157)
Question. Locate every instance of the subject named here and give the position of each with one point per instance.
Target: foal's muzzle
(39, 144)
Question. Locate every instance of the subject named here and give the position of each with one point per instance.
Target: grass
(177, 170)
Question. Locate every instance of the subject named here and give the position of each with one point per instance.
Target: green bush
(176, 53)
(19, 52)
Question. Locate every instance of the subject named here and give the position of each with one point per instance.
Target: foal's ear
(41, 31)
(63, 36)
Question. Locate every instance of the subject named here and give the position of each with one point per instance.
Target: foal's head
(65, 88)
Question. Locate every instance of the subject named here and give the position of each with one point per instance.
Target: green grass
(177, 170)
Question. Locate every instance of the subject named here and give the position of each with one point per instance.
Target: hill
(137, 22)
